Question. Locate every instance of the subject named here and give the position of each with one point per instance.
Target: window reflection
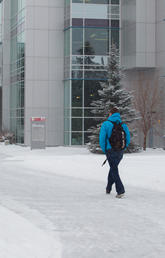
(77, 41)
(115, 38)
(67, 94)
(77, 74)
(95, 75)
(77, 22)
(76, 124)
(115, 23)
(96, 41)
(67, 43)
(89, 122)
(77, 59)
(97, 1)
(77, 139)
(115, 1)
(97, 22)
(17, 49)
(77, 93)
(76, 112)
(90, 92)
(95, 26)
(88, 112)
(97, 60)
(77, 1)
(114, 11)
(90, 11)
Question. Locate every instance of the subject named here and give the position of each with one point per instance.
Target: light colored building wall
(160, 36)
(6, 65)
(0, 86)
(160, 44)
(44, 55)
(138, 33)
(128, 33)
(143, 47)
(133, 78)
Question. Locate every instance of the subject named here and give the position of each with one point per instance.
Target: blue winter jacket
(106, 131)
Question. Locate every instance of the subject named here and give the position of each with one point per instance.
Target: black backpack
(118, 137)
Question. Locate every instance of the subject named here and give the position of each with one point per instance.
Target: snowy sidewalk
(61, 191)
(21, 239)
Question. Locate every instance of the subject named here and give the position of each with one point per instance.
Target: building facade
(143, 52)
(91, 26)
(55, 55)
(0, 65)
(33, 64)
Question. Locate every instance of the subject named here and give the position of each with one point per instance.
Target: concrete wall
(160, 45)
(44, 55)
(145, 76)
(138, 33)
(143, 49)
(6, 65)
(0, 86)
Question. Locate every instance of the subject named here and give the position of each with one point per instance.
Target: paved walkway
(89, 223)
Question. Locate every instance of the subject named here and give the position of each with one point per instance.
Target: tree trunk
(145, 142)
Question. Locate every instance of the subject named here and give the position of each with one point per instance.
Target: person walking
(114, 138)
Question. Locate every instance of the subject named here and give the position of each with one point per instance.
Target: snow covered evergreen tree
(112, 94)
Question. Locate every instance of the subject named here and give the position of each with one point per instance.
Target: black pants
(114, 158)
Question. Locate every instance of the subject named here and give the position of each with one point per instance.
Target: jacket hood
(115, 118)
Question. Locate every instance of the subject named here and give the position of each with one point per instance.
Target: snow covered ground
(21, 239)
(53, 204)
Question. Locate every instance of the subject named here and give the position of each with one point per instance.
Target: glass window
(17, 69)
(77, 67)
(76, 138)
(77, 41)
(91, 11)
(96, 41)
(77, 74)
(97, 1)
(89, 122)
(77, 22)
(77, 93)
(115, 37)
(67, 94)
(94, 67)
(77, 10)
(95, 75)
(97, 23)
(67, 43)
(77, 59)
(66, 138)
(76, 124)
(88, 112)
(96, 11)
(88, 60)
(90, 91)
(115, 23)
(77, 1)
(115, 11)
(114, 1)
(97, 60)
(76, 112)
